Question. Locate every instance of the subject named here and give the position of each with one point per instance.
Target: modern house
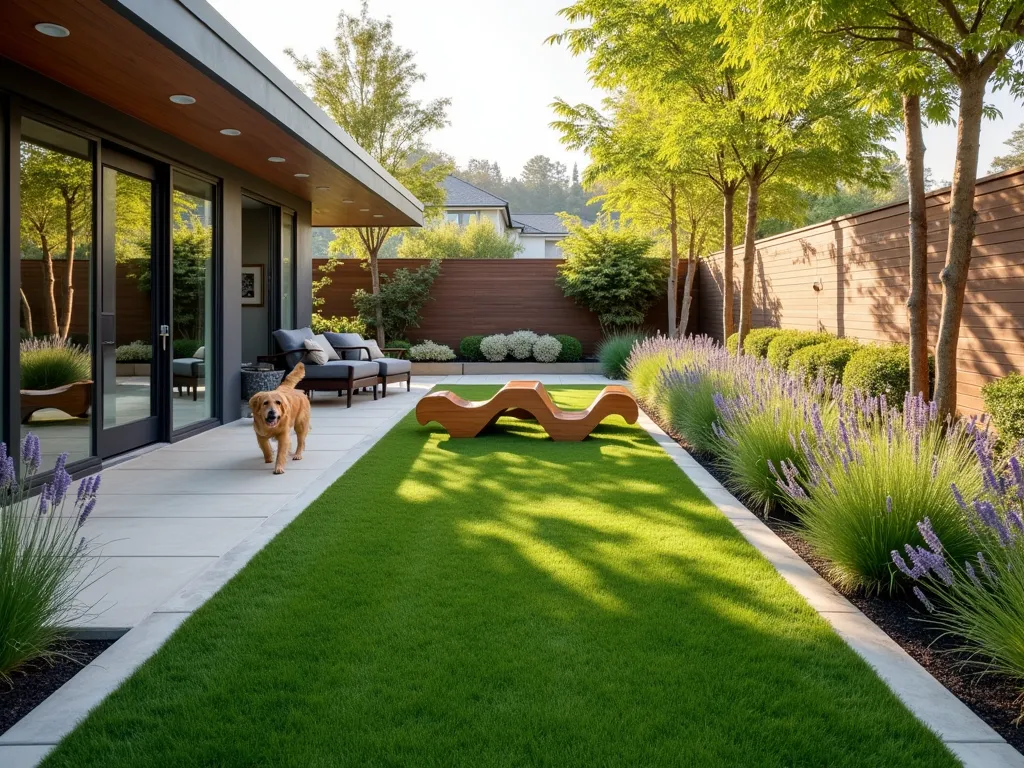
(160, 179)
(538, 233)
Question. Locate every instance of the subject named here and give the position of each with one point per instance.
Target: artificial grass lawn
(505, 600)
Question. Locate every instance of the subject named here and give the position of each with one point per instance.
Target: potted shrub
(55, 374)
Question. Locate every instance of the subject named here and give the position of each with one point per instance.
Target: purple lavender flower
(90, 505)
(972, 575)
(929, 535)
(888, 505)
(61, 480)
(7, 472)
(927, 603)
(31, 452)
(958, 497)
(989, 573)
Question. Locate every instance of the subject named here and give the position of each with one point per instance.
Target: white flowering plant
(520, 344)
(494, 348)
(546, 349)
(430, 352)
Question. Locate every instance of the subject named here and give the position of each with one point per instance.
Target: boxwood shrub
(1004, 401)
(757, 341)
(572, 349)
(880, 370)
(782, 347)
(733, 343)
(827, 360)
(469, 348)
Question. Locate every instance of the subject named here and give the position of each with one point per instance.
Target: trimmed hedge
(878, 370)
(572, 349)
(782, 347)
(827, 360)
(733, 343)
(469, 348)
(757, 341)
(1004, 401)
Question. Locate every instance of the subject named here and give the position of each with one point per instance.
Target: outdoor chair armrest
(400, 350)
(349, 349)
(278, 356)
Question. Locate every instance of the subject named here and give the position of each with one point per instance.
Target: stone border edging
(970, 738)
(508, 367)
(29, 740)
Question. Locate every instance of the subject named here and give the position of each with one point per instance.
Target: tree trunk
(917, 300)
(27, 312)
(749, 258)
(69, 276)
(375, 287)
(728, 201)
(48, 292)
(673, 261)
(961, 241)
(691, 270)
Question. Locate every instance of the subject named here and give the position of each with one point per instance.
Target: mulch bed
(31, 685)
(994, 698)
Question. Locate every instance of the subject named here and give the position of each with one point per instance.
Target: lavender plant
(978, 598)
(44, 559)
(871, 477)
(759, 426)
(646, 361)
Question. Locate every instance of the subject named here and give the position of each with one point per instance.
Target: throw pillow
(315, 354)
(375, 353)
(200, 354)
(325, 345)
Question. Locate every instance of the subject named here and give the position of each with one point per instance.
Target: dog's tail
(294, 377)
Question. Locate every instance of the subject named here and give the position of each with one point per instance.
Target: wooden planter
(74, 399)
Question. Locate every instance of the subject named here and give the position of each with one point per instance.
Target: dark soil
(994, 698)
(30, 685)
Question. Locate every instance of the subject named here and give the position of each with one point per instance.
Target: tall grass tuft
(44, 561)
(871, 478)
(760, 428)
(979, 598)
(50, 362)
(614, 351)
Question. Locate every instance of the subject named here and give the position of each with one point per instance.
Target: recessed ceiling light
(364, 210)
(318, 210)
(378, 215)
(276, 159)
(301, 175)
(183, 98)
(231, 131)
(347, 202)
(322, 189)
(52, 30)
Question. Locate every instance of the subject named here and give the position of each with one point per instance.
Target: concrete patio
(166, 516)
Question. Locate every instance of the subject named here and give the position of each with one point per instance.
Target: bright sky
(489, 57)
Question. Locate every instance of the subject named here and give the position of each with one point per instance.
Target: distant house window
(462, 218)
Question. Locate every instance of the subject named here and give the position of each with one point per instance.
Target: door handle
(165, 331)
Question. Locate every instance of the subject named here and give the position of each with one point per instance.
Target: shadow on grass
(506, 600)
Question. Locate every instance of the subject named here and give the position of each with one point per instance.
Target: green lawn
(506, 601)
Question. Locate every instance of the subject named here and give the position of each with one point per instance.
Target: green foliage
(402, 296)
(572, 349)
(1004, 401)
(45, 564)
(756, 341)
(606, 270)
(134, 352)
(337, 324)
(397, 344)
(430, 352)
(827, 359)
(732, 344)
(614, 350)
(1015, 157)
(543, 185)
(546, 349)
(879, 370)
(186, 347)
(47, 363)
(784, 344)
(469, 348)
(477, 240)
(691, 412)
(643, 372)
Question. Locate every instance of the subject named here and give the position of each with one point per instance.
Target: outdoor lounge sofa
(347, 374)
(391, 368)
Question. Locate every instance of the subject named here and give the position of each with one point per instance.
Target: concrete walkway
(166, 516)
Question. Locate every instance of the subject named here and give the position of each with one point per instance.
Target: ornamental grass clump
(47, 363)
(44, 560)
(871, 477)
(979, 597)
(758, 428)
(520, 344)
(546, 349)
(647, 360)
(614, 350)
(494, 348)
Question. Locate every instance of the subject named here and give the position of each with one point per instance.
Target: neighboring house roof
(463, 194)
(539, 223)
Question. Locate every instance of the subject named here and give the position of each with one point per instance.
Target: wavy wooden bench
(74, 399)
(525, 400)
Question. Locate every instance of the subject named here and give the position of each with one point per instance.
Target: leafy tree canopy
(477, 240)
(1015, 157)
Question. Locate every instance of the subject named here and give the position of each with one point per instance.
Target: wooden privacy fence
(859, 265)
(484, 296)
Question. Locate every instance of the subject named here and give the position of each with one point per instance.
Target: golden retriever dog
(276, 413)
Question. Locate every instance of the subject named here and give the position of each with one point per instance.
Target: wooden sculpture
(525, 400)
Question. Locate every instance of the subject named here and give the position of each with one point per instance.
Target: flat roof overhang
(134, 54)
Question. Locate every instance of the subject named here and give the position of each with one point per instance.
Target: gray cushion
(192, 367)
(389, 366)
(338, 369)
(288, 339)
(348, 340)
